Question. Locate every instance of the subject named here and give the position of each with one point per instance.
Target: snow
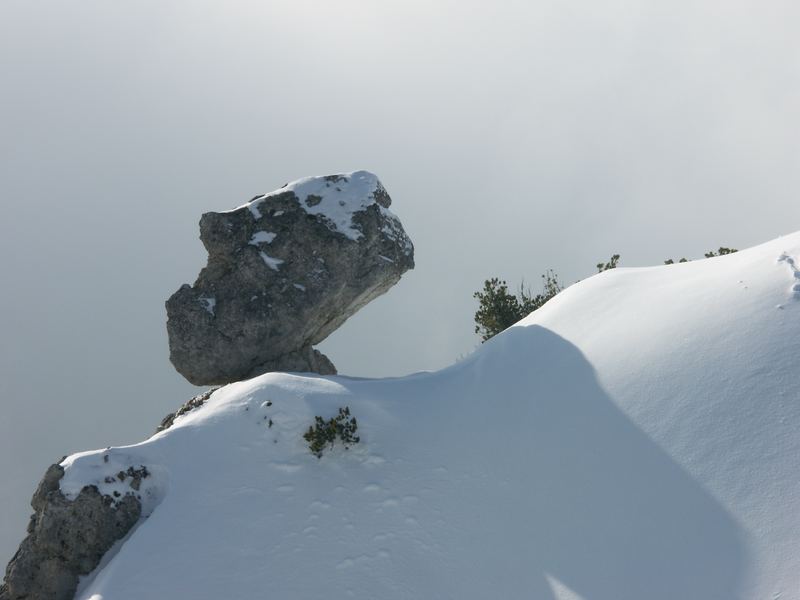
(393, 229)
(262, 237)
(792, 264)
(272, 263)
(637, 437)
(337, 198)
(106, 470)
(209, 304)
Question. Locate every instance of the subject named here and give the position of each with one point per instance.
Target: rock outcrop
(187, 407)
(284, 271)
(67, 538)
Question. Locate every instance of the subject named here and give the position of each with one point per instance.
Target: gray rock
(66, 539)
(284, 271)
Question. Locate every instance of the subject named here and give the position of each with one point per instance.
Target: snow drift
(637, 437)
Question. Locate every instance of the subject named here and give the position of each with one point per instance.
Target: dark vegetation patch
(323, 434)
(189, 406)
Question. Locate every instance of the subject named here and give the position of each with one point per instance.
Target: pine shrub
(324, 433)
(611, 264)
(499, 309)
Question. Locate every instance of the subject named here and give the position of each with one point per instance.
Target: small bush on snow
(343, 426)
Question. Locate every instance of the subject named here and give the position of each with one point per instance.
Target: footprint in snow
(792, 264)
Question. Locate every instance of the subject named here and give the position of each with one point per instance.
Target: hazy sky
(512, 137)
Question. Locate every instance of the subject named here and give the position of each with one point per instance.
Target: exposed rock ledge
(67, 538)
(284, 271)
(78, 519)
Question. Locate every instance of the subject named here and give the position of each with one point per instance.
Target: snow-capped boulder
(67, 537)
(284, 271)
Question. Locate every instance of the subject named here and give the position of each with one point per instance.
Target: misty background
(512, 136)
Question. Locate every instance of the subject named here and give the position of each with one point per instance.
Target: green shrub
(499, 309)
(322, 433)
(611, 264)
(721, 252)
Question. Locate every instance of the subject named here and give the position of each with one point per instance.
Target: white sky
(512, 137)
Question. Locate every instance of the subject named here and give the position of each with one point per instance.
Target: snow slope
(636, 438)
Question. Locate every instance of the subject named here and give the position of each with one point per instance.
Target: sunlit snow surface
(636, 438)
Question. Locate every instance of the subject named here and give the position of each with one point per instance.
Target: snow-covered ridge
(335, 197)
(637, 437)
